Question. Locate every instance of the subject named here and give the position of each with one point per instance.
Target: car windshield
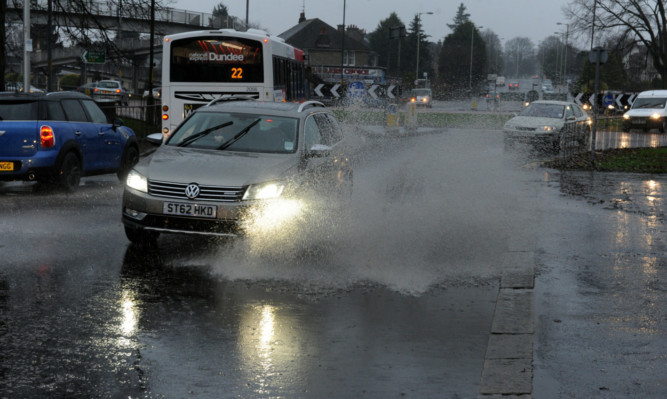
(108, 85)
(421, 92)
(18, 110)
(270, 134)
(544, 110)
(649, 102)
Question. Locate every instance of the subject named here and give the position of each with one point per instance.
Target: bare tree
(635, 23)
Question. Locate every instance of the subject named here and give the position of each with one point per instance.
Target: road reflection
(611, 139)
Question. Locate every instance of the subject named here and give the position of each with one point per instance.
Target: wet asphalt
(526, 282)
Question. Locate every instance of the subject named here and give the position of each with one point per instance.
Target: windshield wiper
(201, 134)
(238, 135)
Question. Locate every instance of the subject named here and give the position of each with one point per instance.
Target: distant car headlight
(548, 128)
(656, 116)
(626, 116)
(264, 191)
(137, 181)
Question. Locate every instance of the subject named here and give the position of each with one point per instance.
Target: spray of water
(425, 210)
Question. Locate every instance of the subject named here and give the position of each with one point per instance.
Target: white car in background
(549, 125)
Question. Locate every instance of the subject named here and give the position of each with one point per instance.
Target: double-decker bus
(200, 66)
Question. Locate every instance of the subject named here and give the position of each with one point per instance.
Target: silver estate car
(234, 165)
(549, 125)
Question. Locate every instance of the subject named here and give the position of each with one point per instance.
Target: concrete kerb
(508, 363)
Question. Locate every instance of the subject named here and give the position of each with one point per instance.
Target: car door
(111, 140)
(321, 130)
(86, 134)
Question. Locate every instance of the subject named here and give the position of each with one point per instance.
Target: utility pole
(27, 46)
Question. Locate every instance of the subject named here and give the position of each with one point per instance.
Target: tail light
(117, 90)
(47, 139)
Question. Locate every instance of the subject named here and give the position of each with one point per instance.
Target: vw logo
(192, 191)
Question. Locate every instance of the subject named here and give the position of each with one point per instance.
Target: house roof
(316, 34)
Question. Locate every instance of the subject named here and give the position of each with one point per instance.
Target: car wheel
(69, 174)
(663, 127)
(626, 128)
(346, 184)
(585, 138)
(141, 236)
(130, 158)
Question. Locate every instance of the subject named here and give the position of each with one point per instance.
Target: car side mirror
(117, 122)
(318, 151)
(155, 139)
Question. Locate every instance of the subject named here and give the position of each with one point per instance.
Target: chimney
(302, 16)
(341, 28)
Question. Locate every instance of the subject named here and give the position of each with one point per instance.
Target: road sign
(318, 90)
(608, 99)
(390, 91)
(371, 91)
(94, 57)
(334, 90)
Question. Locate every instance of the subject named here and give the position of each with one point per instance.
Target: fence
(143, 119)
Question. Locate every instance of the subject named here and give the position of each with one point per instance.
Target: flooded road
(396, 296)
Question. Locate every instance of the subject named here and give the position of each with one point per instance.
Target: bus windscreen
(216, 59)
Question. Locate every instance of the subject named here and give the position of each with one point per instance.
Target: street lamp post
(567, 32)
(472, 40)
(419, 14)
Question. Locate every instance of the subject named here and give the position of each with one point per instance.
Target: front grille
(202, 226)
(525, 129)
(206, 193)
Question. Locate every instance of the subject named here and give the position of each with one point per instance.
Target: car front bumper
(144, 211)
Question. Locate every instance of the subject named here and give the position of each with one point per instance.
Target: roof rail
(310, 104)
(230, 97)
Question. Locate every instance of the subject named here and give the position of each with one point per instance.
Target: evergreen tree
(454, 62)
(385, 41)
(460, 18)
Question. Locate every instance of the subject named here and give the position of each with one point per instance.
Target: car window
(18, 110)
(543, 111)
(312, 132)
(54, 112)
(108, 85)
(270, 134)
(577, 111)
(74, 111)
(96, 114)
(568, 112)
(331, 131)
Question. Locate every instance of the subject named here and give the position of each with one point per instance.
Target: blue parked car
(59, 137)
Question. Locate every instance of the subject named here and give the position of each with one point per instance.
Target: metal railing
(162, 14)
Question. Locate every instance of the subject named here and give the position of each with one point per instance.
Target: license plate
(107, 92)
(639, 121)
(7, 166)
(184, 209)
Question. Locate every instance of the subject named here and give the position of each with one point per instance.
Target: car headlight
(264, 191)
(548, 128)
(626, 116)
(508, 126)
(137, 181)
(656, 116)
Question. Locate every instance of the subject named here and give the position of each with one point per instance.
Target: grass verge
(636, 160)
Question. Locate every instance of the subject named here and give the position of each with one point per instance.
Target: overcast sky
(535, 19)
